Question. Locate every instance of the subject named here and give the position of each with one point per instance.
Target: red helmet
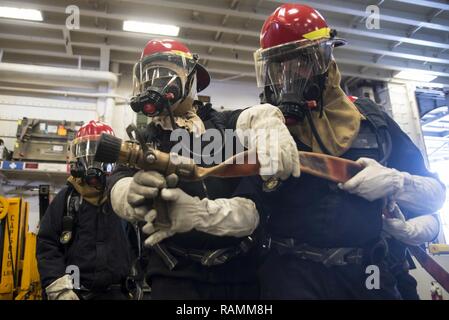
(167, 78)
(156, 47)
(293, 22)
(82, 156)
(94, 128)
(296, 46)
(85, 142)
(352, 98)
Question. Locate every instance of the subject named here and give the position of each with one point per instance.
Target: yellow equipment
(19, 279)
(438, 248)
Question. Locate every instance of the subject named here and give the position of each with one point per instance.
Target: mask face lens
(162, 85)
(158, 77)
(159, 66)
(83, 151)
(289, 69)
(84, 146)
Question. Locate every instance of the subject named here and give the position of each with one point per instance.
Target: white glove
(415, 231)
(421, 195)
(61, 289)
(236, 217)
(418, 194)
(275, 147)
(374, 181)
(129, 195)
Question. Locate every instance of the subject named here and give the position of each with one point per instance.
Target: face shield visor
(82, 154)
(160, 81)
(290, 69)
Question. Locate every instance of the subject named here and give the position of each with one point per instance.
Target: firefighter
(83, 249)
(322, 236)
(208, 251)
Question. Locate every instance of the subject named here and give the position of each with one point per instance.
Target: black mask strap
(315, 132)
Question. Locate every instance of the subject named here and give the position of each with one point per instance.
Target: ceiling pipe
(46, 72)
(67, 93)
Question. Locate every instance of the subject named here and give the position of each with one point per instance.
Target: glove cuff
(264, 116)
(202, 218)
(59, 285)
(256, 117)
(398, 182)
(119, 194)
(235, 217)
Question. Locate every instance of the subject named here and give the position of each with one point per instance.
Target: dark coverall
(100, 248)
(185, 277)
(400, 263)
(306, 216)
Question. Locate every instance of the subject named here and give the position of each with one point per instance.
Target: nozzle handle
(162, 220)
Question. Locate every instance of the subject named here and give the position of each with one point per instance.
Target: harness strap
(327, 256)
(376, 117)
(207, 258)
(71, 208)
(169, 260)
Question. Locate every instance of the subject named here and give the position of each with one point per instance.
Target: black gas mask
(162, 82)
(302, 96)
(158, 96)
(92, 176)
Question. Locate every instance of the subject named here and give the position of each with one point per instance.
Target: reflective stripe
(182, 53)
(318, 34)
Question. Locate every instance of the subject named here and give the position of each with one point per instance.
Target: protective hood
(340, 123)
(92, 195)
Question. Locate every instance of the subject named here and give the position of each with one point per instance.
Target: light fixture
(20, 13)
(152, 28)
(417, 75)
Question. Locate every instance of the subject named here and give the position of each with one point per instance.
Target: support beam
(354, 45)
(425, 3)
(105, 54)
(322, 5)
(389, 64)
(360, 61)
(46, 53)
(237, 76)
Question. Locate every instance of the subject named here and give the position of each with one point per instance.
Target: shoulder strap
(71, 207)
(372, 112)
(377, 118)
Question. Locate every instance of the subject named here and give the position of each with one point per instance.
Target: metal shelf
(34, 171)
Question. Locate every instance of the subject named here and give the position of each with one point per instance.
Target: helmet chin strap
(170, 114)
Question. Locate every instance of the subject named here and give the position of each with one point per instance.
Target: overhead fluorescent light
(19, 13)
(152, 28)
(417, 75)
